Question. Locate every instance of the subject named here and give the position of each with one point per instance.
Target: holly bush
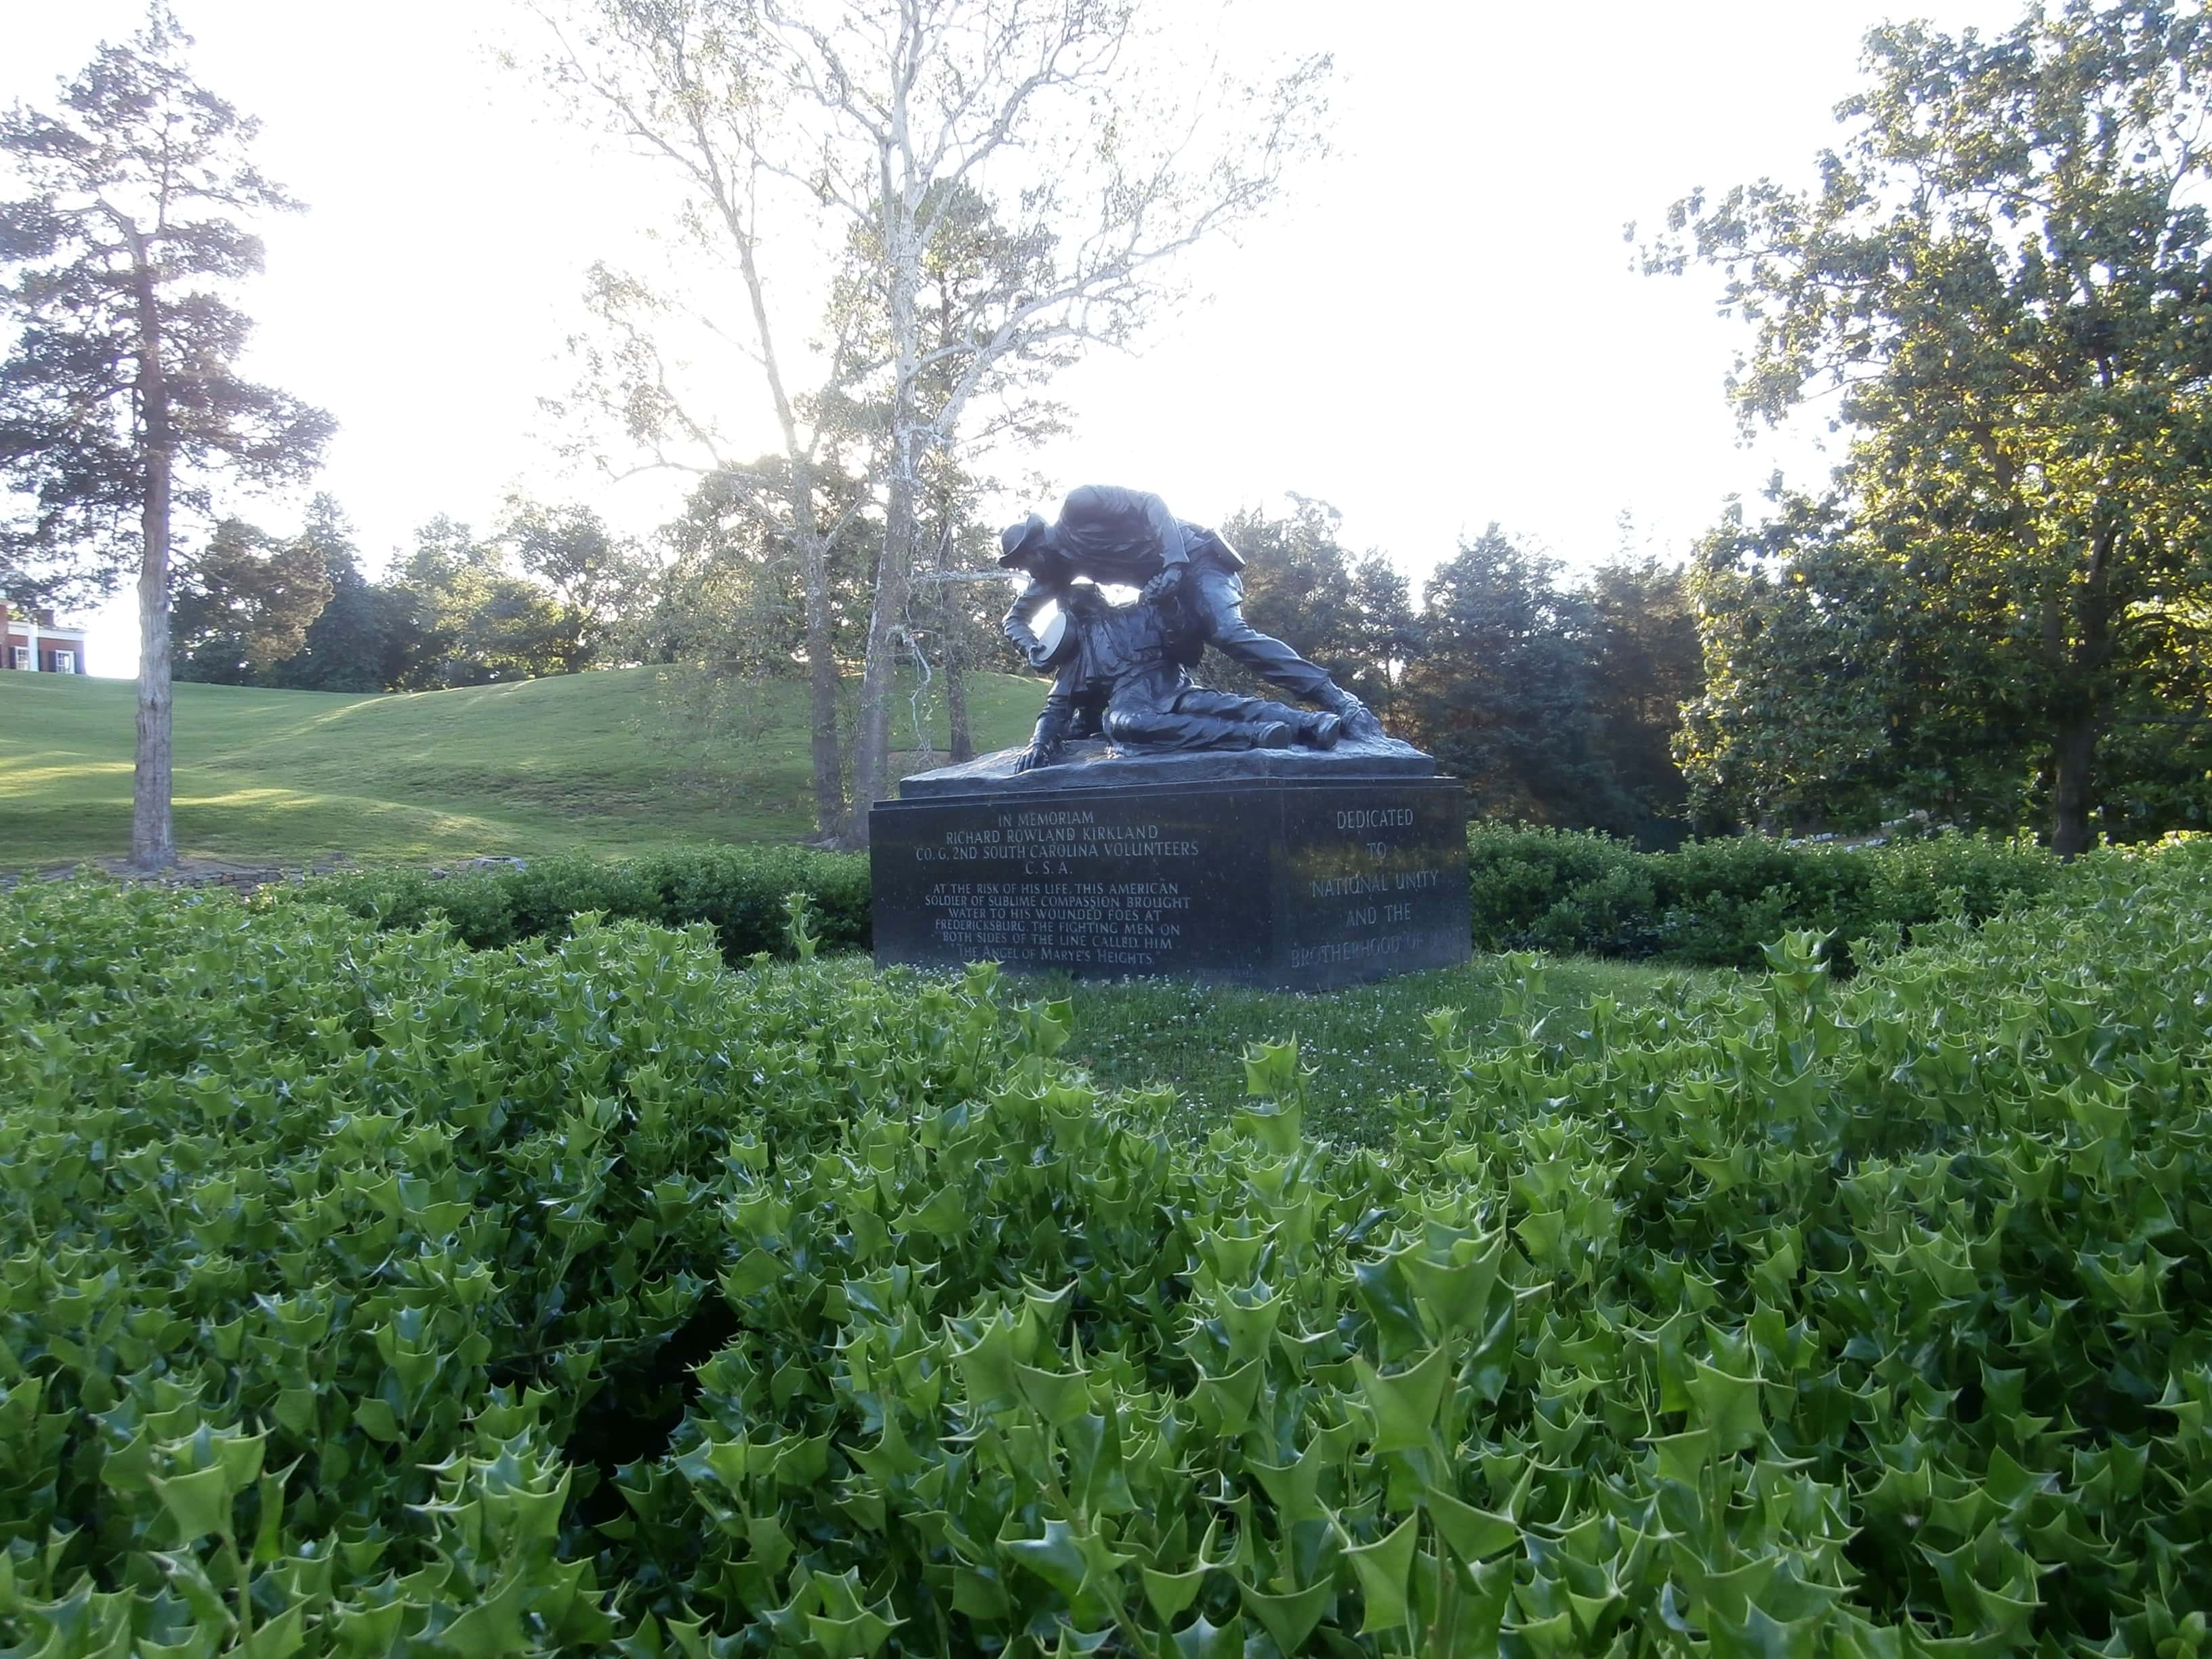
(737, 892)
(363, 1294)
(1719, 903)
(1711, 903)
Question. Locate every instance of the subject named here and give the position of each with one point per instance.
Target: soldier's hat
(1017, 541)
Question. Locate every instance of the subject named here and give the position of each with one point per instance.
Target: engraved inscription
(1373, 873)
(1050, 843)
(1100, 924)
(1285, 884)
(1375, 947)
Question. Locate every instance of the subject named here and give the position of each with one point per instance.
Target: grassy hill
(602, 763)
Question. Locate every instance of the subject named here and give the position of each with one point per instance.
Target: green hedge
(362, 1296)
(738, 891)
(1713, 904)
(1717, 903)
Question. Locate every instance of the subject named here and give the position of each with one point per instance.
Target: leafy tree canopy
(1500, 692)
(366, 637)
(597, 578)
(246, 604)
(2003, 276)
(479, 620)
(1353, 615)
(125, 242)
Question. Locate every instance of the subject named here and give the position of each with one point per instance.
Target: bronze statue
(1109, 534)
(1117, 674)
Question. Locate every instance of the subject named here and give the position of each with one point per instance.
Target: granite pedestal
(1291, 869)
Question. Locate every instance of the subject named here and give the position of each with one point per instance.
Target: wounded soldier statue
(1116, 672)
(1192, 589)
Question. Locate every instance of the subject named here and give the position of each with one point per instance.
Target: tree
(1645, 664)
(1353, 617)
(733, 608)
(246, 604)
(599, 579)
(1828, 700)
(676, 82)
(1499, 692)
(2005, 273)
(120, 400)
(367, 637)
(948, 623)
(1034, 124)
(954, 618)
(479, 620)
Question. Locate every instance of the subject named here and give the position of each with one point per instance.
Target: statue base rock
(1296, 869)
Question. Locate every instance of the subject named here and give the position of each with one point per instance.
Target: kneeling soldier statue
(1109, 534)
(1116, 672)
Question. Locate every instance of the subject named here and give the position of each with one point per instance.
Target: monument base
(1322, 876)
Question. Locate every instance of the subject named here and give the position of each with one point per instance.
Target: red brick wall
(14, 638)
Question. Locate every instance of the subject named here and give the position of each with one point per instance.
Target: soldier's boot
(1322, 730)
(1357, 718)
(1274, 734)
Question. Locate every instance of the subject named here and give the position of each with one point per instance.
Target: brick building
(31, 639)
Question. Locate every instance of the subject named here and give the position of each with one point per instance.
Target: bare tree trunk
(830, 811)
(956, 705)
(2082, 717)
(2073, 756)
(951, 628)
(903, 492)
(894, 570)
(153, 832)
(828, 760)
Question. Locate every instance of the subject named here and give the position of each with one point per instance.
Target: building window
(64, 662)
(22, 655)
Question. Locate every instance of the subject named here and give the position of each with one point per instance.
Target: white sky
(1440, 328)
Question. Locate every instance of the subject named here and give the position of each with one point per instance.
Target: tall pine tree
(119, 403)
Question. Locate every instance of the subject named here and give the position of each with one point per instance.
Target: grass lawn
(1364, 1044)
(596, 763)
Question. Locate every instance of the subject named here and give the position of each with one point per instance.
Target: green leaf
(1685, 1456)
(1405, 1403)
(1290, 1617)
(1472, 1533)
(1059, 1397)
(1249, 1327)
(1383, 1567)
(1057, 1557)
(1456, 1293)
(1200, 1639)
(1729, 1406)
(268, 1530)
(492, 1628)
(1293, 1487)
(199, 1502)
(1758, 1635)
(1169, 1593)
(379, 1421)
(1227, 1403)
(1279, 1126)
(367, 1632)
(1096, 1481)
(1271, 1069)
(1382, 1291)
(279, 1637)
(858, 1638)
(753, 1273)
(986, 1365)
